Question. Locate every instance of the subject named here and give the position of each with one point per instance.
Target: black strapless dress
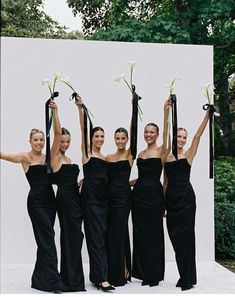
(181, 209)
(118, 242)
(42, 211)
(95, 207)
(147, 216)
(70, 217)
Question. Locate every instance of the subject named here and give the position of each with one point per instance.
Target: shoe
(187, 287)
(104, 289)
(144, 283)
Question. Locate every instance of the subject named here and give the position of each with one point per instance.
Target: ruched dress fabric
(95, 209)
(147, 217)
(69, 210)
(181, 209)
(42, 211)
(118, 242)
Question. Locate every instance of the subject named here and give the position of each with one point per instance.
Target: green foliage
(225, 180)
(25, 18)
(196, 22)
(225, 230)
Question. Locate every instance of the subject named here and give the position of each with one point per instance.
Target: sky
(59, 11)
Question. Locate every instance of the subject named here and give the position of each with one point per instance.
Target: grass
(227, 263)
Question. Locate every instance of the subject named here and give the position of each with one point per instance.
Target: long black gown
(118, 243)
(181, 209)
(70, 217)
(147, 216)
(42, 211)
(95, 208)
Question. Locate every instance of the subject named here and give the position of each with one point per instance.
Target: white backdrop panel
(92, 67)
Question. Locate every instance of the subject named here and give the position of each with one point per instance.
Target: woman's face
(181, 138)
(37, 142)
(150, 134)
(98, 139)
(120, 139)
(64, 142)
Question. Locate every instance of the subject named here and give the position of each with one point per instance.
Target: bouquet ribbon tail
(174, 125)
(48, 120)
(134, 123)
(87, 120)
(212, 109)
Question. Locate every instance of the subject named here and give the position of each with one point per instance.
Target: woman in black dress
(42, 211)
(181, 206)
(95, 203)
(68, 206)
(118, 243)
(148, 208)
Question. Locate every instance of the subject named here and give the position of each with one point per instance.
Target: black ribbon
(174, 125)
(86, 119)
(48, 119)
(211, 146)
(134, 122)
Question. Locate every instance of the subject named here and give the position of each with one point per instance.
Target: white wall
(92, 67)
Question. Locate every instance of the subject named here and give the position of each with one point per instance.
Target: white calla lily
(121, 77)
(64, 79)
(57, 75)
(207, 93)
(46, 81)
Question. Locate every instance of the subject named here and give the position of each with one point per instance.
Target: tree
(173, 21)
(26, 18)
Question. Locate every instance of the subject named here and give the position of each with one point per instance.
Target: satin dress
(42, 210)
(181, 209)
(147, 216)
(95, 209)
(118, 242)
(68, 204)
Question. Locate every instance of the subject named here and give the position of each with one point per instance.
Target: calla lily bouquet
(129, 84)
(171, 90)
(75, 93)
(209, 95)
(51, 85)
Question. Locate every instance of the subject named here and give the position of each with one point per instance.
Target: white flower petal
(122, 76)
(132, 64)
(64, 80)
(46, 82)
(57, 75)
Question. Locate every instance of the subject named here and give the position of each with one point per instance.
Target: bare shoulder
(170, 158)
(108, 157)
(142, 154)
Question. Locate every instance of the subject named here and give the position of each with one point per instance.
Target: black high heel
(104, 289)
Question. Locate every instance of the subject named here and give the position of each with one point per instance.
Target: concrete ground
(212, 279)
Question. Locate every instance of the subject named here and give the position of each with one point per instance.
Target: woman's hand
(168, 104)
(53, 105)
(78, 101)
(80, 182)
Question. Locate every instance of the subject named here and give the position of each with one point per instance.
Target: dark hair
(65, 131)
(96, 129)
(121, 130)
(154, 125)
(34, 131)
(182, 129)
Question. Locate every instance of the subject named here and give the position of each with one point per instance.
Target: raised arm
(55, 149)
(191, 152)
(81, 111)
(165, 149)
